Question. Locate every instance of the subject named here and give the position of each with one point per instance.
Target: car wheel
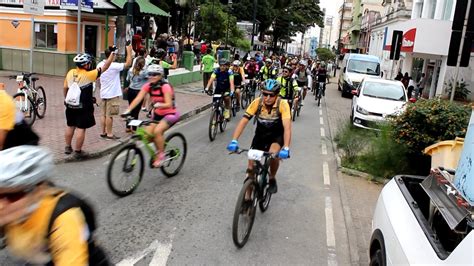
(377, 258)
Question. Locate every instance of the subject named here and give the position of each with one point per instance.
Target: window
(448, 9)
(46, 35)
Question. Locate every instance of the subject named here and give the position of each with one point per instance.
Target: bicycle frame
(143, 136)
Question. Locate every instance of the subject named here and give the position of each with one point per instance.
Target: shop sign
(86, 5)
(34, 7)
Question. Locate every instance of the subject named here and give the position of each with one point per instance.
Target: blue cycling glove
(284, 153)
(233, 146)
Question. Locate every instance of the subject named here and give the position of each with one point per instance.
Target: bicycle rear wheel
(25, 105)
(319, 95)
(175, 150)
(130, 165)
(40, 102)
(244, 214)
(213, 123)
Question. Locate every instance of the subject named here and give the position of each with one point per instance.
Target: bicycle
(30, 100)
(296, 108)
(217, 116)
(247, 94)
(319, 93)
(131, 152)
(258, 190)
(233, 105)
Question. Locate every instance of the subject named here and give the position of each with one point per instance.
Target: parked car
(376, 99)
(356, 67)
(421, 221)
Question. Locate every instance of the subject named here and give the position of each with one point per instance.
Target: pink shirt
(158, 96)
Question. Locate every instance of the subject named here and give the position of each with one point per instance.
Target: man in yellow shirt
(273, 132)
(7, 115)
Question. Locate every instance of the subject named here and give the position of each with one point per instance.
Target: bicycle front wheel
(25, 105)
(41, 102)
(125, 170)
(244, 99)
(244, 214)
(266, 197)
(213, 124)
(175, 151)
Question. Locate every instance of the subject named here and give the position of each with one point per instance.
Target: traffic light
(397, 40)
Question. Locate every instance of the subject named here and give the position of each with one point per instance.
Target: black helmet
(160, 53)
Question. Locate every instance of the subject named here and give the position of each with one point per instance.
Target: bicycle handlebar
(265, 153)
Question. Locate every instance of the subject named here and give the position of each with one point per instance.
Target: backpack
(97, 255)
(73, 96)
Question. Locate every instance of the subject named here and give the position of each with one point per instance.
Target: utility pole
(340, 34)
(254, 18)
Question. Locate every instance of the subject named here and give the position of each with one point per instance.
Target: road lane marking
(161, 255)
(330, 235)
(140, 255)
(327, 180)
(320, 112)
(324, 148)
(323, 133)
(321, 121)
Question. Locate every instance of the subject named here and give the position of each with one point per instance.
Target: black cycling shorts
(264, 143)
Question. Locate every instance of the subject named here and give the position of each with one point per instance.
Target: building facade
(426, 37)
(359, 9)
(368, 20)
(344, 18)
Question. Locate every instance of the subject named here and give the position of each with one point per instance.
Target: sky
(332, 7)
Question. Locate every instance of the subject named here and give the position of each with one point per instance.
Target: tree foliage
(325, 54)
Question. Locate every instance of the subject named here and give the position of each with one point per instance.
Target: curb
(113, 147)
(351, 234)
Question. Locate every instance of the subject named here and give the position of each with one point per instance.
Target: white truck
(422, 221)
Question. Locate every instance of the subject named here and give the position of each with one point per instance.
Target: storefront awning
(145, 7)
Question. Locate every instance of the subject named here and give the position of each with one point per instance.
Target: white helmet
(82, 59)
(303, 63)
(236, 63)
(155, 68)
(24, 166)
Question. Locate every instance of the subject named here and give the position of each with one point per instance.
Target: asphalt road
(187, 219)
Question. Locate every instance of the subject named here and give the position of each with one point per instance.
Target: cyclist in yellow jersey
(40, 222)
(268, 71)
(239, 80)
(289, 86)
(273, 132)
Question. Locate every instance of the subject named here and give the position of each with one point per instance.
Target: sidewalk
(189, 101)
(359, 195)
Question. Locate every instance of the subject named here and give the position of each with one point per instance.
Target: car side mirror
(354, 92)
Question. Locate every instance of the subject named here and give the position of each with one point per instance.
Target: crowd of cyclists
(44, 224)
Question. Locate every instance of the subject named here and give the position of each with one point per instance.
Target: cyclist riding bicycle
(251, 68)
(303, 76)
(224, 85)
(165, 112)
(268, 71)
(289, 87)
(239, 80)
(273, 132)
(43, 224)
(322, 77)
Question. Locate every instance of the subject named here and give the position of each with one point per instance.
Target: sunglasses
(13, 196)
(266, 94)
(286, 71)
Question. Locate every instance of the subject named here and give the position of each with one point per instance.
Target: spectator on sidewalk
(111, 91)
(197, 51)
(208, 62)
(203, 48)
(411, 87)
(161, 55)
(421, 85)
(137, 78)
(405, 80)
(137, 41)
(79, 118)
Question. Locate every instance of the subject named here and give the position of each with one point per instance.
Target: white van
(355, 67)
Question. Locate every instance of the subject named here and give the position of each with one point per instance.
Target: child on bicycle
(165, 112)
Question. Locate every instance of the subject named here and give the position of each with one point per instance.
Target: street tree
(325, 54)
